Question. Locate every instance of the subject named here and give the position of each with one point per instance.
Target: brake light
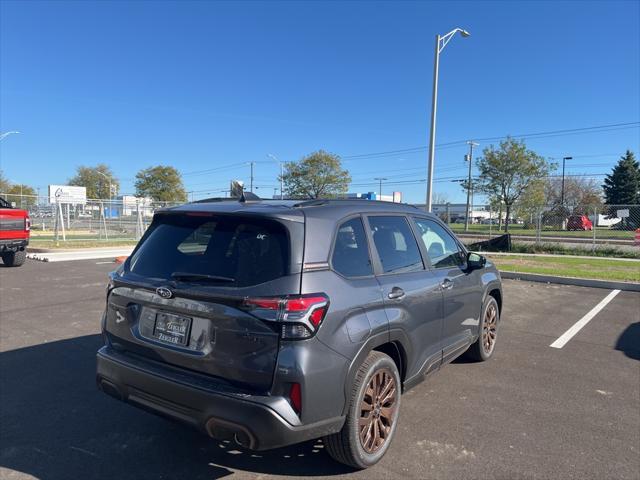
(295, 395)
(27, 223)
(300, 315)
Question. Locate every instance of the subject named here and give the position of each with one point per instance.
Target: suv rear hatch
(180, 298)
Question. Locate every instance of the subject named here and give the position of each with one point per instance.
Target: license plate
(172, 329)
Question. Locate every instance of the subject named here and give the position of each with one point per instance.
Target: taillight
(27, 223)
(300, 316)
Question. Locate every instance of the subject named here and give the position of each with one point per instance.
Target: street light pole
(6, 134)
(110, 190)
(469, 157)
(380, 179)
(281, 173)
(441, 42)
(562, 192)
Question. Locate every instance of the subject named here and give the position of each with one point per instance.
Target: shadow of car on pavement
(57, 425)
(629, 341)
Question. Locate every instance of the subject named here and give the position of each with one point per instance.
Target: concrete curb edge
(580, 282)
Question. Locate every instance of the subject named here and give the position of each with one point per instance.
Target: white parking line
(576, 327)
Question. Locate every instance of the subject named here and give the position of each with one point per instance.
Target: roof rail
(323, 201)
(216, 199)
(246, 197)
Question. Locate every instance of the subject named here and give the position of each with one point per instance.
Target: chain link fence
(94, 221)
(125, 219)
(585, 227)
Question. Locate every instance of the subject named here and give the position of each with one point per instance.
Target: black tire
(479, 351)
(14, 259)
(346, 446)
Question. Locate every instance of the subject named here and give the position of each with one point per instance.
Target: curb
(558, 255)
(580, 282)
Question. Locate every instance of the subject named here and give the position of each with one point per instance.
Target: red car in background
(579, 222)
(15, 226)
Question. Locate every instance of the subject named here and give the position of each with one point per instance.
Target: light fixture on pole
(380, 179)
(441, 42)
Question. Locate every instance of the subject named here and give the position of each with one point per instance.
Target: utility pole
(251, 187)
(380, 179)
(469, 158)
(564, 159)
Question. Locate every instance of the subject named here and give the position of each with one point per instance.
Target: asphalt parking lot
(533, 411)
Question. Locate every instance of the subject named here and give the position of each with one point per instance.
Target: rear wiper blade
(186, 276)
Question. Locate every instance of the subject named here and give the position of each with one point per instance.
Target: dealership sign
(67, 194)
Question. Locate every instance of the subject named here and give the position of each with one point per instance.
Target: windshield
(229, 251)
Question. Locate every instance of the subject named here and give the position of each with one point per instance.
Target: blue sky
(207, 85)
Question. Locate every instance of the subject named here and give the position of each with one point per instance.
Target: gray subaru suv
(274, 322)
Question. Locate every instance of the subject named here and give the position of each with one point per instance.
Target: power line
(550, 133)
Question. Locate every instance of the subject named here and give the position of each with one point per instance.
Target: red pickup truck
(14, 234)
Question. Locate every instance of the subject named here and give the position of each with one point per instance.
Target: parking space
(531, 412)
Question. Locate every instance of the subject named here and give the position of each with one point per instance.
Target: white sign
(67, 194)
(622, 213)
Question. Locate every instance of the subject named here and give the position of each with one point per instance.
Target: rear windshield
(239, 251)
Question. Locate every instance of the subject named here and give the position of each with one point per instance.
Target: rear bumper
(13, 245)
(227, 414)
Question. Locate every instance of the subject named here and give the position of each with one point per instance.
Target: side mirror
(475, 261)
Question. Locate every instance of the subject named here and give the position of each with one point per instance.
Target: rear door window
(395, 244)
(350, 251)
(240, 251)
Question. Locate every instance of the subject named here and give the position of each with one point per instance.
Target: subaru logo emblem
(164, 292)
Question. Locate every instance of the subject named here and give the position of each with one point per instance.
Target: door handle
(396, 293)
(447, 284)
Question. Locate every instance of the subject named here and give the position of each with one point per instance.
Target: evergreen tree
(622, 185)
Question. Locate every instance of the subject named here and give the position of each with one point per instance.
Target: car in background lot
(15, 226)
(579, 222)
(275, 322)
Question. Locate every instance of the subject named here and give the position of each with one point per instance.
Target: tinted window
(350, 252)
(250, 251)
(442, 249)
(395, 244)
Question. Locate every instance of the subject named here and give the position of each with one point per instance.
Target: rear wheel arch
(392, 343)
(395, 350)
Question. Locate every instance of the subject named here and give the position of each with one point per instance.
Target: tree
(622, 185)
(507, 171)
(319, 174)
(161, 183)
(440, 198)
(24, 196)
(97, 181)
(4, 183)
(530, 202)
(622, 188)
(581, 195)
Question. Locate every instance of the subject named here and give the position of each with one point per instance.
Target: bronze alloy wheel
(489, 328)
(377, 410)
